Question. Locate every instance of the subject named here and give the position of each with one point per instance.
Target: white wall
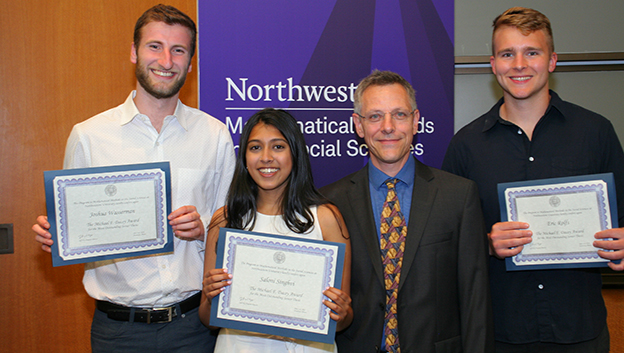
(578, 27)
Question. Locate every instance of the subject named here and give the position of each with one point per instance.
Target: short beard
(142, 76)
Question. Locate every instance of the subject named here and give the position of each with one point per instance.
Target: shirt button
(531, 159)
(164, 267)
(540, 286)
(157, 143)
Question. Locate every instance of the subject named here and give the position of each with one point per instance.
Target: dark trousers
(599, 344)
(183, 334)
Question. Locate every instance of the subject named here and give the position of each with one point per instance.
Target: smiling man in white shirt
(153, 125)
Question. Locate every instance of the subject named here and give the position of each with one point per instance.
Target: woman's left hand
(340, 306)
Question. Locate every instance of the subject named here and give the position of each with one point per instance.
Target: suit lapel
(361, 207)
(423, 196)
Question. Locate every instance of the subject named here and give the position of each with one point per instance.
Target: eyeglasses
(398, 115)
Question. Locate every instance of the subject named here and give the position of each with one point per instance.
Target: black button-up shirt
(561, 306)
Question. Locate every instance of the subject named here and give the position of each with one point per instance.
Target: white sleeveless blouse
(230, 340)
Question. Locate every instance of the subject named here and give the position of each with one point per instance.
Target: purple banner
(308, 57)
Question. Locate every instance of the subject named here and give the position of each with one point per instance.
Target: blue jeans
(183, 334)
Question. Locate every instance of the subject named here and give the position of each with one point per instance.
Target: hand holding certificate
(277, 284)
(563, 214)
(108, 212)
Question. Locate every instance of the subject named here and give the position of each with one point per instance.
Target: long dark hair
(300, 193)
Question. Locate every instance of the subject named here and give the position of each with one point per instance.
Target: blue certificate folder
(111, 212)
(555, 190)
(268, 266)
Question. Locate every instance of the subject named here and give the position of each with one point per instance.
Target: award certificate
(277, 284)
(563, 214)
(108, 212)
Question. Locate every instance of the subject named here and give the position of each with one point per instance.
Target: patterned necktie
(392, 243)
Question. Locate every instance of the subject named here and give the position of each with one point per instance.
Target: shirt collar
(130, 111)
(378, 178)
(492, 117)
(555, 103)
(177, 114)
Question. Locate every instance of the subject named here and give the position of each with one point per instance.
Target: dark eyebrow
(280, 139)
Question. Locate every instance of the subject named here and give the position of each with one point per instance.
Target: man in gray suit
(419, 278)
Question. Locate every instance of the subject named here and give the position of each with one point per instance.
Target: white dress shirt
(201, 154)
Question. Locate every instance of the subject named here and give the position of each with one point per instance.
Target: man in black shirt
(532, 134)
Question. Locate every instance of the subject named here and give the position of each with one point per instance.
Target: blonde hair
(526, 21)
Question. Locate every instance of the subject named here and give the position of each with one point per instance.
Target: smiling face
(269, 159)
(522, 63)
(389, 140)
(162, 59)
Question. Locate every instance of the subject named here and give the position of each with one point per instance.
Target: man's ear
(358, 125)
(416, 120)
(133, 54)
(552, 62)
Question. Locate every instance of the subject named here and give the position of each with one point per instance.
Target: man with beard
(150, 302)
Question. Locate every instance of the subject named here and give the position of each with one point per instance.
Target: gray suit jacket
(444, 297)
